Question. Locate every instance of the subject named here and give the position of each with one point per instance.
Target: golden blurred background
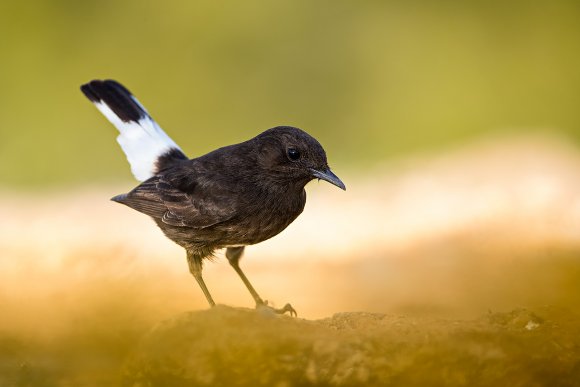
(455, 126)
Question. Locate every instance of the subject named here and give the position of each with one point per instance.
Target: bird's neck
(282, 184)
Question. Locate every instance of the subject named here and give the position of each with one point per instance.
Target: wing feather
(200, 203)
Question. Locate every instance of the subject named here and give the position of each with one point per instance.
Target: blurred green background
(370, 79)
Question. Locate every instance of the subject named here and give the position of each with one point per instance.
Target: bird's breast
(266, 216)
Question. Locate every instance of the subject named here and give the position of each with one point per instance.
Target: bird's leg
(195, 267)
(234, 254)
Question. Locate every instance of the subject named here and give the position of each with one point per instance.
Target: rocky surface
(240, 347)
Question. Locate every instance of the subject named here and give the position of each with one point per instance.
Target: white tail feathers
(142, 140)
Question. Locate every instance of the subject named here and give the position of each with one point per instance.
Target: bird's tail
(148, 148)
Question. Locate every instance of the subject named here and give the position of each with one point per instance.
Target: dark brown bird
(232, 197)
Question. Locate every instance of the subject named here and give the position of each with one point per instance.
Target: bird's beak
(327, 175)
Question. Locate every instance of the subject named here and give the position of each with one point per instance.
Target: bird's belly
(254, 230)
(262, 223)
(236, 232)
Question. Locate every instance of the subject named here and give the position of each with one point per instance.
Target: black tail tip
(89, 93)
(95, 87)
(116, 96)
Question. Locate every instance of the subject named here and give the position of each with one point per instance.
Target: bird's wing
(199, 204)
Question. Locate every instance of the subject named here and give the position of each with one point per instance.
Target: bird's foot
(287, 308)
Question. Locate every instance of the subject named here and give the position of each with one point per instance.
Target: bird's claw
(287, 308)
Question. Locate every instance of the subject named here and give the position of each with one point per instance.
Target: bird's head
(290, 154)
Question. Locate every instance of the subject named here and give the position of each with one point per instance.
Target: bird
(229, 198)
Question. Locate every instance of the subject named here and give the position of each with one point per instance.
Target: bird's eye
(293, 154)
